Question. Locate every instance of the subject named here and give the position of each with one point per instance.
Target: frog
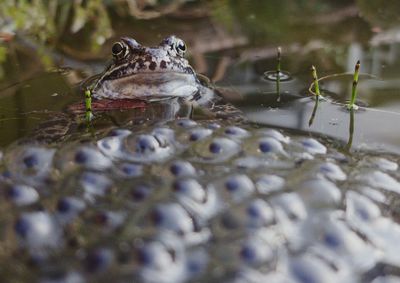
(148, 73)
(152, 74)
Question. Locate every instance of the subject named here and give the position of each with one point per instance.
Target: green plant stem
(88, 106)
(315, 78)
(354, 87)
(278, 73)
(278, 68)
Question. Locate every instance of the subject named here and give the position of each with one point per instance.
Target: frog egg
(166, 133)
(380, 180)
(332, 172)
(112, 146)
(274, 134)
(213, 126)
(216, 150)
(162, 261)
(319, 193)
(197, 261)
(68, 208)
(147, 148)
(215, 147)
(198, 134)
(99, 260)
(267, 184)
(259, 214)
(331, 240)
(249, 217)
(140, 193)
(186, 123)
(190, 188)
(109, 220)
(376, 195)
(254, 251)
(384, 164)
(228, 223)
(37, 158)
(291, 205)
(129, 170)
(22, 195)
(146, 144)
(38, 232)
(86, 156)
(180, 168)
(94, 185)
(236, 132)
(346, 240)
(30, 161)
(91, 158)
(239, 187)
(173, 217)
(311, 269)
(270, 145)
(361, 209)
(30, 164)
(221, 146)
(200, 201)
(313, 146)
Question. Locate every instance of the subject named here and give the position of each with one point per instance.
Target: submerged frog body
(149, 73)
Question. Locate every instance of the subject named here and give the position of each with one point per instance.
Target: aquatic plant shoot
(352, 104)
(278, 67)
(88, 106)
(315, 78)
(278, 72)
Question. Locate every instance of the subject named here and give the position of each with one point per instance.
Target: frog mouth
(156, 77)
(148, 85)
(148, 73)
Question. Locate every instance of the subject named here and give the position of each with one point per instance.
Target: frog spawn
(172, 202)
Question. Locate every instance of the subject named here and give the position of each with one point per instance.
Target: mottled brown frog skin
(149, 73)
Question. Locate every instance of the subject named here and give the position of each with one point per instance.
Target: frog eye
(180, 47)
(117, 49)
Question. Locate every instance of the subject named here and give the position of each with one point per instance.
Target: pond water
(293, 193)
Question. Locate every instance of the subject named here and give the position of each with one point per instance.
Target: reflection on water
(351, 130)
(314, 111)
(214, 52)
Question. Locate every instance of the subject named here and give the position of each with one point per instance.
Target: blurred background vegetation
(59, 31)
(89, 24)
(94, 21)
